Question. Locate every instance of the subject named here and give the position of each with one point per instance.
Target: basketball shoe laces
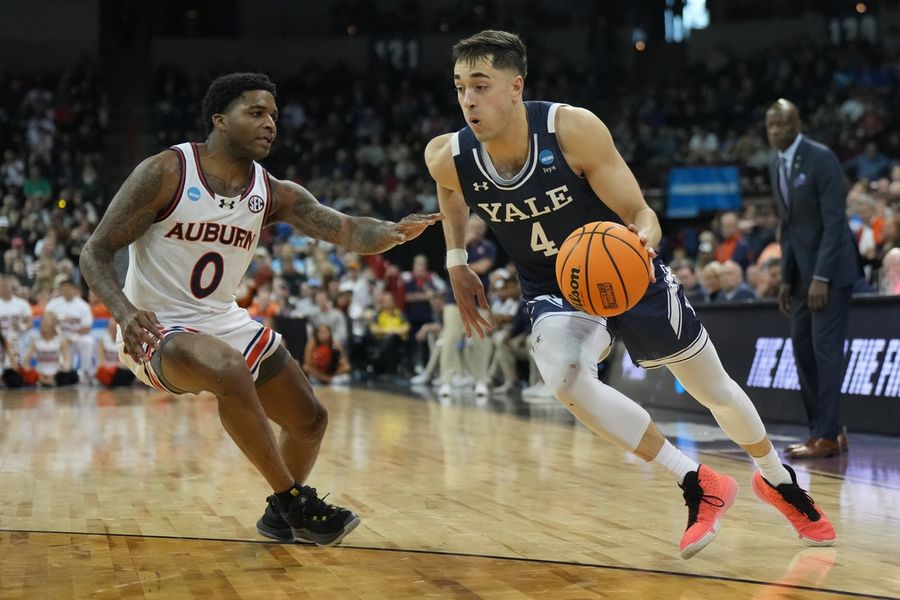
(693, 496)
(313, 506)
(799, 499)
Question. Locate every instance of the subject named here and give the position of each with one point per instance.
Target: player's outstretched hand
(141, 331)
(469, 293)
(412, 226)
(632, 228)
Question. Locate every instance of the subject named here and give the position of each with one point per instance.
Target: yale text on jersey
(507, 212)
(204, 231)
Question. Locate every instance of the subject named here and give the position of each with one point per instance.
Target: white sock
(672, 460)
(771, 468)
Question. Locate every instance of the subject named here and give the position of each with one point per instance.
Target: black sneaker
(272, 525)
(313, 521)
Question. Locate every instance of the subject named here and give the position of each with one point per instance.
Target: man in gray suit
(819, 266)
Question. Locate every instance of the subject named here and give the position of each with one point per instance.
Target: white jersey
(48, 355)
(12, 314)
(188, 263)
(72, 315)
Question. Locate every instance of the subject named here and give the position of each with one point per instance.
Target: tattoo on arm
(371, 236)
(131, 212)
(316, 220)
(363, 235)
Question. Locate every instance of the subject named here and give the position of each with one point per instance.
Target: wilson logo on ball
(574, 296)
(603, 269)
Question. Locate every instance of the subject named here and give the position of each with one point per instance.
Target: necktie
(783, 181)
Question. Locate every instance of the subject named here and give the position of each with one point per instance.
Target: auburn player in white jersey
(491, 167)
(191, 217)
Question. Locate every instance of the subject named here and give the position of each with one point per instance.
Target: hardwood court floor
(135, 494)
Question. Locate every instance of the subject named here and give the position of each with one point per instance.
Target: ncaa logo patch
(546, 157)
(256, 204)
(193, 194)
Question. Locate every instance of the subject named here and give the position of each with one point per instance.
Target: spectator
(50, 351)
(75, 320)
(703, 146)
(706, 249)
(324, 360)
(870, 165)
(733, 246)
(430, 333)
(687, 274)
(710, 276)
(264, 307)
(326, 314)
(289, 268)
(389, 330)
(419, 287)
(769, 280)
(110, 370)
(734, 288)
(510, 336)
(15, 315)
(36, 186)
(758, 229)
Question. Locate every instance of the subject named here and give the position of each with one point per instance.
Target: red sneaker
(707, 495)
(793, 502)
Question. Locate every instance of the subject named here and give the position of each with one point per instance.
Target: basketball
(603, 268)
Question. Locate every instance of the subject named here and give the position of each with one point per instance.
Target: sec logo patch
(256, 204)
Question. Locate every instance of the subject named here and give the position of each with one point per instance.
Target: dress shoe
(841, 439)
(791, 447)
(818, 448)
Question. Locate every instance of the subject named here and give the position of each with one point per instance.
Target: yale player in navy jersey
(192, 216)
(535, 171)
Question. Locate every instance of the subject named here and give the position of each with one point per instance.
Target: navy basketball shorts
(662, 329)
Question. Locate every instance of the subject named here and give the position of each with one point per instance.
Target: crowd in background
(356, 144)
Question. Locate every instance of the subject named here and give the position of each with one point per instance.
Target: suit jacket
(815, 237)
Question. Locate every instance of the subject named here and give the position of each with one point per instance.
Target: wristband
(457, 257)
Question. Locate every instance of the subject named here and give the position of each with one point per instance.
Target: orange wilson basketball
(603, 269)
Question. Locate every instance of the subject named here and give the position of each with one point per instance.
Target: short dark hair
(225, 89)
(505, 50)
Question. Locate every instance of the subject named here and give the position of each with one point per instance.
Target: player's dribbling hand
(412, 226)
(468, 289)
(633, 229)
(141, 331)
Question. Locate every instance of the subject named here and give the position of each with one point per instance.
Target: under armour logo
(228, 205)
(480, 187)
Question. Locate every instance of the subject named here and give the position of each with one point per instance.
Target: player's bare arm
(294, 205)
(467, 287)
(589, 149)
(133, 209)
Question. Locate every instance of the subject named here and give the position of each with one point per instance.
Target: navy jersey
(534, 212)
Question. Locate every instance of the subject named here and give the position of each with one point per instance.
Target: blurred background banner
(693, 190)
(754, 343)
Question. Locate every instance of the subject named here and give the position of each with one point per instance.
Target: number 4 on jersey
(539, 241)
